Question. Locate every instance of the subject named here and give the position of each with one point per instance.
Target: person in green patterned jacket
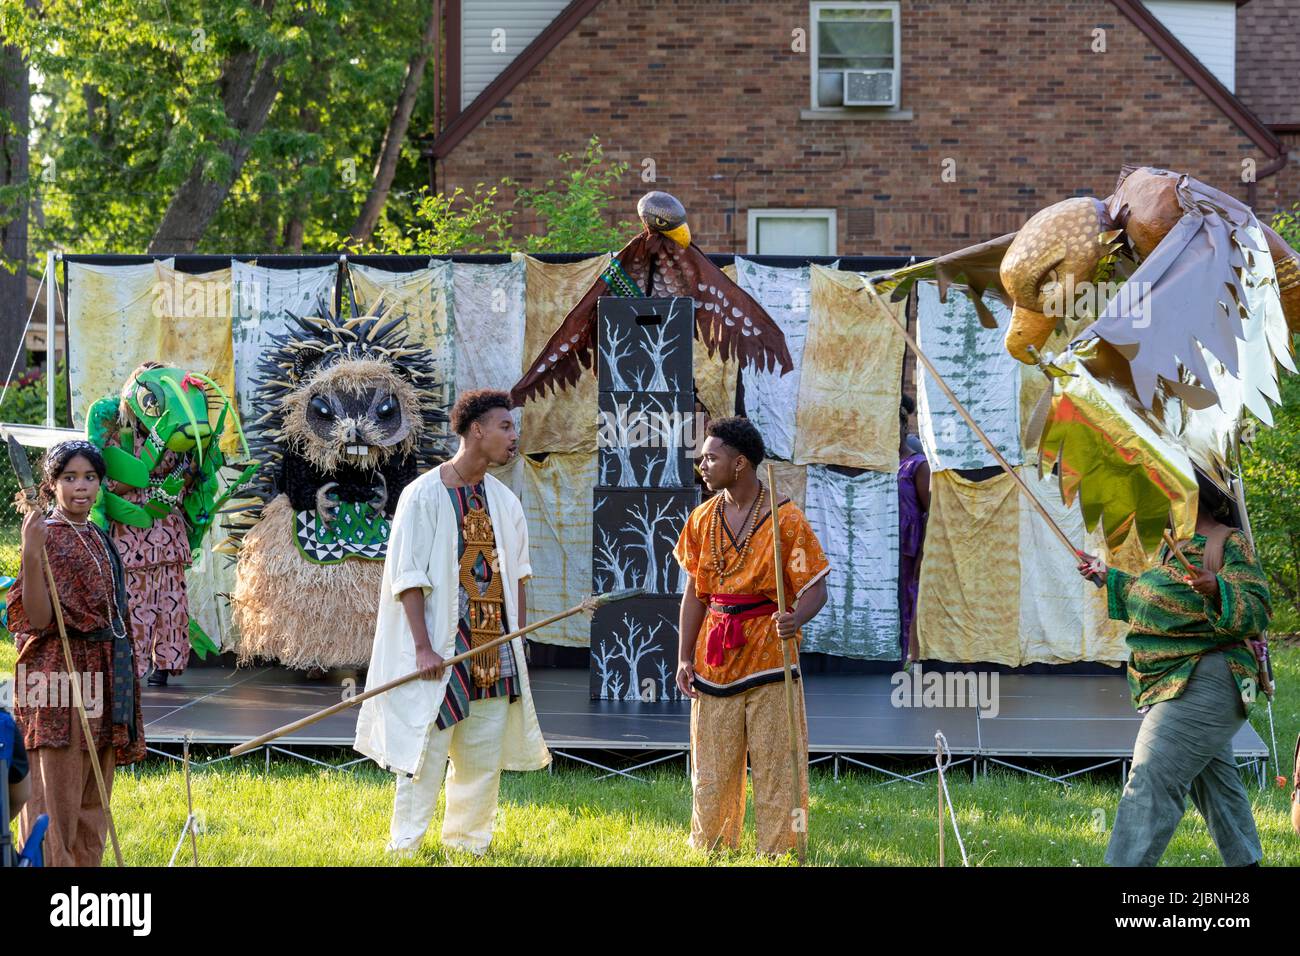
(1194, 675)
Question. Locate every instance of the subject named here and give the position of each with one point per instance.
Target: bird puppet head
(663, 213)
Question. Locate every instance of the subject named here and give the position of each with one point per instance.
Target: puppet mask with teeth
(355, 411)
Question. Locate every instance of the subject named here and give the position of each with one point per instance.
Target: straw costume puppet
(348, 417)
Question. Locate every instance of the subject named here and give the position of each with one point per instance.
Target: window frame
(814, 49)
(753, 214)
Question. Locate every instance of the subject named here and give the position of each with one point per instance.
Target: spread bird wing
(728, 319)
(1204, 305)
(975, 268)
(571, 348)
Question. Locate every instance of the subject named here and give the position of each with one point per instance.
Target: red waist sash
(725, 631)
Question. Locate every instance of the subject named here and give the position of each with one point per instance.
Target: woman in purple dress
(913, 507)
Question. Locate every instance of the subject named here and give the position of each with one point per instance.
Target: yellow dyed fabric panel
(851, 378)
(563, 420)
(110, 314)
(422, 296)
(968, 608)
(791, 480)
(125, 315)
(715, 380)
(1063, 618)
(193, 331)
(557, 503)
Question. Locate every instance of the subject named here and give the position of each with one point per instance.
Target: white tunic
(393, 728)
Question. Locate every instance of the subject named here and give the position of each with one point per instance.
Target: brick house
(856, 127)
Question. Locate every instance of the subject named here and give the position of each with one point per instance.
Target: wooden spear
(979, 432)
(796, 792)
(589, 605)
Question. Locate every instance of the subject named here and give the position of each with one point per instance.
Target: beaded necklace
(115, 622)
(723, 569)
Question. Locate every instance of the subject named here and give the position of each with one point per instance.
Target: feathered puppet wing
(1205, 304)
(727, 319)
(974, 268)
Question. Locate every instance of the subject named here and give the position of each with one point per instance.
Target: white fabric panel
(770, 398)
(981, 373)
(262, 300)
(488, 325)
(856, 522)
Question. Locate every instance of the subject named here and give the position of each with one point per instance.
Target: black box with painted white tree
(634, 651)
(646, 345)
(645, 440)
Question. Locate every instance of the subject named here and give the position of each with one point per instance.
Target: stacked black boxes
(645, 491)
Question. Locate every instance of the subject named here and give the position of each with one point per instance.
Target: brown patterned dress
(155, 560)
(84, 594)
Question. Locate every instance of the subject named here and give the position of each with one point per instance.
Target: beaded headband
(59, 455)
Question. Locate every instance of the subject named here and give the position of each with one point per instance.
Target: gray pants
(1186, 743)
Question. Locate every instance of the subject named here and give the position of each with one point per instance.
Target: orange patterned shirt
(759, 659)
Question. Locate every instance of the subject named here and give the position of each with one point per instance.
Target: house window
(855, 55)
(791, 232)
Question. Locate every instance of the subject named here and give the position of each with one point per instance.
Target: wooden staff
(979, 432)
(1178, 553)
(801, 833)
(80, 706)
(589, 605)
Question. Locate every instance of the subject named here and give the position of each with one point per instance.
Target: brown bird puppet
(661, 261)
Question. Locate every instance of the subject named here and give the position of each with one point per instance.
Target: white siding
(521, 21)
(1208, 28)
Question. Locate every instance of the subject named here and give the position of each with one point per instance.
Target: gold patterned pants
(726, 734)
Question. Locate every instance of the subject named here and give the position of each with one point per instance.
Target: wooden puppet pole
(589, 605)
(74, 680)
(966, 416)
(1178, 553)
(796, 792)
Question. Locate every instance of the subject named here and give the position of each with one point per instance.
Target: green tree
(571, 211)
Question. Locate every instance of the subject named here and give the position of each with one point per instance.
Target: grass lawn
(298, 815)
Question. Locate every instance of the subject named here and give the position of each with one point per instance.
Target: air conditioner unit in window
(869, 87)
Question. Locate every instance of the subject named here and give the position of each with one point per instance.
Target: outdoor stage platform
(851, 719)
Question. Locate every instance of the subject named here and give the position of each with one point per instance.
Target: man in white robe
(413, 729)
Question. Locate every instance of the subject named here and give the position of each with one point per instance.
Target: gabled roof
(1232, 107)
(1199, 74)
(468, 118)
(1268, 61)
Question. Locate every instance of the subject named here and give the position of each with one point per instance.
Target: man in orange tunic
(730, 658)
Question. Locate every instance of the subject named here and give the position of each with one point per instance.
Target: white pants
(474, 746)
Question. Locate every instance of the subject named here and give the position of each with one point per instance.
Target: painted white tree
(664, 425)
(667, 684)
(602, 661)
(610, 560)
(646, 528)
(635, 644)
(615, 687)
(658, 342)
(612, 353)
